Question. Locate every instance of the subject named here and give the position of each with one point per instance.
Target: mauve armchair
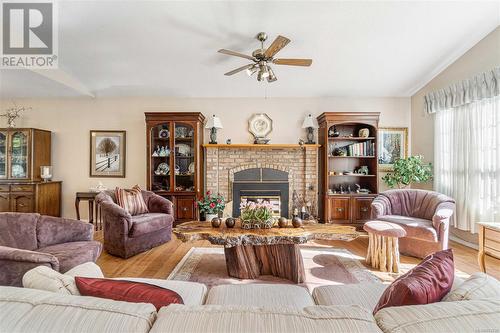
(28, 240)
(126, 235)
(425, 216)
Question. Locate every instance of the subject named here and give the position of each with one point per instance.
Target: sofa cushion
(191, 292)
(30, 310)
(18, 230)
(266, 295)
(477, 286)
(88, 269)
(366, 294)
(52, 230)
(466, 316)
(414, 227)
(428, 282)
(73, 253)
(151, 222)
(128, 291)
(222, 318)
(45, 278)
(131, 200)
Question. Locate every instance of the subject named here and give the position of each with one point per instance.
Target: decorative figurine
(297, 222)
(282, 222)
(228, 141)
(216, 222)
(364, 133)
(363, 170)
(332, 132)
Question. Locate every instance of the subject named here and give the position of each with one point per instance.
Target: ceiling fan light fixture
(264, 70)
(251, 70)
(272, 77)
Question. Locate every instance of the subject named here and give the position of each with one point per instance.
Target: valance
(484, 85)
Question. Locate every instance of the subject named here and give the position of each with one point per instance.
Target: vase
(210, 217)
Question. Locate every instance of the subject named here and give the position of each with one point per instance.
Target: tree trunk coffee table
(255, 252)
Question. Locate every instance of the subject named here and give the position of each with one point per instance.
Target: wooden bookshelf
(338, 205)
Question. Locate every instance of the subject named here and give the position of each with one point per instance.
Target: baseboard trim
(463, 242)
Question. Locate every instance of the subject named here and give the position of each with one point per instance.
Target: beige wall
(484, 56)
(71, 120)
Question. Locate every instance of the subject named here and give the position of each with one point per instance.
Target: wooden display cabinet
(174, 163)
(22, 152)
(342, 154)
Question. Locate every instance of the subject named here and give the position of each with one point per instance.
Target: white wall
(72, 119)
(484, 56)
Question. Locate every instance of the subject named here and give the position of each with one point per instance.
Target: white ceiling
(163, 48)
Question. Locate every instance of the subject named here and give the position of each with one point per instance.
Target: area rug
(323, 266)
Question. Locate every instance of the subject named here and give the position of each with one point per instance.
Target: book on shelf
(360, 149)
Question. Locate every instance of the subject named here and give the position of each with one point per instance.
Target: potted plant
(211, 205)
(256, 215)
(408, 170)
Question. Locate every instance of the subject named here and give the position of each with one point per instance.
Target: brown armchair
(425, 216)
(126, 235)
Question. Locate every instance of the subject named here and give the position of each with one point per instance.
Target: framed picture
(107, 153)
(392, 145)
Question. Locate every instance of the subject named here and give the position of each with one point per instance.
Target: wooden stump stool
(383, 248)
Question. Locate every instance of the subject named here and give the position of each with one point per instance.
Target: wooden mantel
(261, 146)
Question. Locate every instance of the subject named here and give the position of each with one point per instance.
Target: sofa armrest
(29, 257)
(380, 206)
(441, 221)
(55, 230)
(158, 204)
(116, 219)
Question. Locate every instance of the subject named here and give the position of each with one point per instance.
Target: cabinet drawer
(4, 188)
(339, 209)
(185, 208)
(21, 188)
(362, 208)
(21, 203)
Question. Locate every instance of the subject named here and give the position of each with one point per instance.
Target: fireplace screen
(274, 200)
(261, 184)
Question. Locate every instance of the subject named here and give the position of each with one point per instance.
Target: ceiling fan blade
(279, 43)
(234, 71)
(236, 54)
(293, 62)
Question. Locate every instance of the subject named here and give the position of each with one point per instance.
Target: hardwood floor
(160, 261)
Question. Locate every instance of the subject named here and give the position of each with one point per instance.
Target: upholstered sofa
(30, 240)
(243, 308)
(425, 216)
(126, 235)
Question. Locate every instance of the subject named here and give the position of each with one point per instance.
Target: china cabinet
(22, 152)
(174, 163)
(348, 166)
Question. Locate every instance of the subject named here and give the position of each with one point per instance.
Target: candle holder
(46, 172)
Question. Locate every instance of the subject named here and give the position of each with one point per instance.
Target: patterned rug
(323, 266)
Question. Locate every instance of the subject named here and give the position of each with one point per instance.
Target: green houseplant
(211, 205)
(256, 215)
(408, 170)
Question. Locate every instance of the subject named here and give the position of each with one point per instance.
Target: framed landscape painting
(107, 153)
(392, 145)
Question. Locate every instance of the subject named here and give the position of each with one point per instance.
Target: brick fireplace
(265, 170)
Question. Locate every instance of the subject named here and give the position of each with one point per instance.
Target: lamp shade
(213, 122)
(309, 122)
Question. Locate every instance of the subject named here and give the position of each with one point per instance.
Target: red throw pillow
(428, 282)
(128, 291)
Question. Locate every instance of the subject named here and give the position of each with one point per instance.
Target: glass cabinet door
(160, 157)
(184, 153)
(19, 155)
(3, 155)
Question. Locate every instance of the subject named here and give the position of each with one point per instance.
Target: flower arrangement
(211, 204)
(256, 215)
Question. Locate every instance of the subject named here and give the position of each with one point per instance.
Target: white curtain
(467, 160)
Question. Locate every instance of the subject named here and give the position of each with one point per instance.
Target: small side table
(489, 242)
(383, 245)
(93, 208)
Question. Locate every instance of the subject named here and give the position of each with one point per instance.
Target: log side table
(383, 245)
(255, 252)
(489, 242)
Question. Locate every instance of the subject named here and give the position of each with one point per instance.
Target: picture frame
(108, 153)
(392, 145)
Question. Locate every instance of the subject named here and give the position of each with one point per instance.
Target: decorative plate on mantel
(260, 125)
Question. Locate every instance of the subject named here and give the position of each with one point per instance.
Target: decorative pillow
(477, 286)
(428, 282)
(128, 291)
(131, 200)
(45, 278)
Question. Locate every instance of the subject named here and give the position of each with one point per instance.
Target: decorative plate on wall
(260, 125)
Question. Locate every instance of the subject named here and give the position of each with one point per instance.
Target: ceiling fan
(263, 57)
